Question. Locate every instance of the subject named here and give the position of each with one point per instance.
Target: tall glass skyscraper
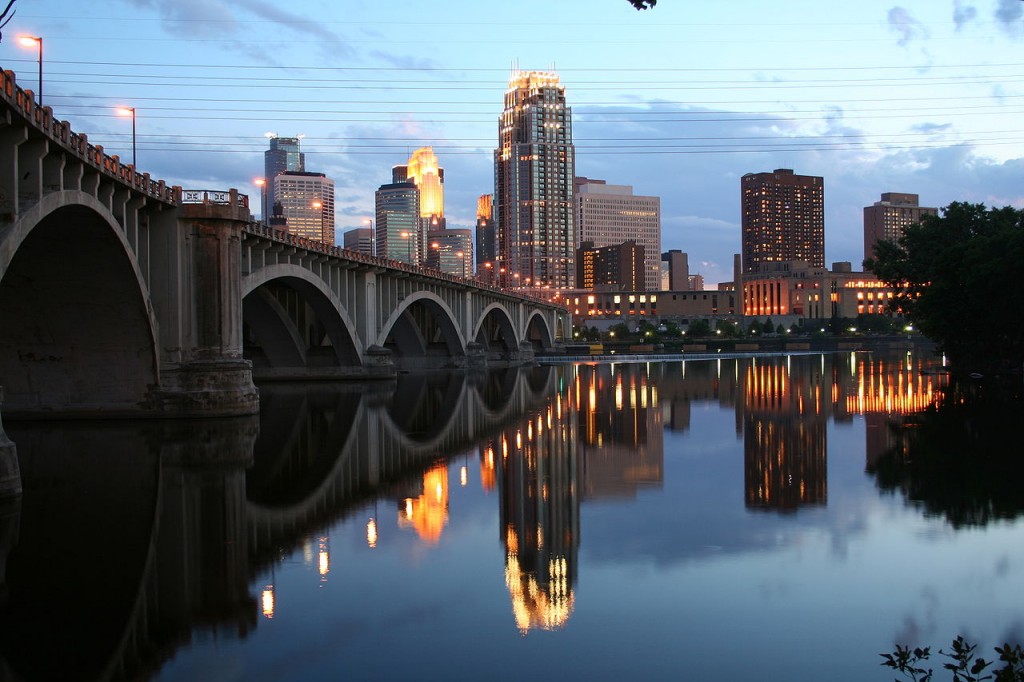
(534, 166)
(283, 155)
(397, 213)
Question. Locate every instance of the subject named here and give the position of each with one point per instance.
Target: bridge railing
(41, 118)
(360, 257)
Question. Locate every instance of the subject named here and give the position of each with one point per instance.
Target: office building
(451, 251)
(306, 202)
(619, 267)
(783, 219)
(887, 219)
(534, 166)
(486, 238)
(612, 214)
(424, 171)
(359, 239)
(284, 155)
(675, 271)
(397, 215)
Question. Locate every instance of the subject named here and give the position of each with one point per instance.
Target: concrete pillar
(210, 377)
(10, 471)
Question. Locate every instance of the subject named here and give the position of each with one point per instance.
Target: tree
(643, 4)
(754, 328)
(768, 327)
(699, 329)
(953, 272)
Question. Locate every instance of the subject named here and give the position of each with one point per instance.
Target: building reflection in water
(427, 513)
(222, 507)
(538, 481)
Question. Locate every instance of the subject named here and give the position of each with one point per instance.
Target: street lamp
(318, 206)
(373, 236)
(130, 111)
(408, 245)
(262, 184)
(37, 42)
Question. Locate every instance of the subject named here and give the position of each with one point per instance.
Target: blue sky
(679, 101)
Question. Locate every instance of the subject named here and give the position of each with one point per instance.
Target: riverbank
(733, 348)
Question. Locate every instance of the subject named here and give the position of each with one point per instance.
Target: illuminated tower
(783, 219)
(283, 155)
(424, 171)
(534, 166)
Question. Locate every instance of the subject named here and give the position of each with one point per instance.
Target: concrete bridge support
(10, 472)
(199, 306)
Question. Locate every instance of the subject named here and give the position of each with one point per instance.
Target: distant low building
(794, 289)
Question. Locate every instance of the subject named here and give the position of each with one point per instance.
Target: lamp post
(318, 206)
(37, 42)
(408, 245)
(262, 184)
(130, 111)
(373, 236)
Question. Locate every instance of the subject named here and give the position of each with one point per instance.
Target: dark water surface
(759, 518)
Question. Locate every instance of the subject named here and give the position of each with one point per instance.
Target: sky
(678, 101)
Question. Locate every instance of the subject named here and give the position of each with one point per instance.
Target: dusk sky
(678, 101)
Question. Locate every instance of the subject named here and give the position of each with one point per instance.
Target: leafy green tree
(953, 271)
(620, 330)
(643, 4)
(671, 330)
(767, 327)
(754, 329)
(728, 328)
(699, 329)
(780, 329)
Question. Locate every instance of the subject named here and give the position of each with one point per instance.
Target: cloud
(1010, 14)
(906, 26)
(220, 18)
(963, 13)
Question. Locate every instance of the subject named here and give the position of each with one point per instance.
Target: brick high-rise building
(619, 266)
(783, 219)
(887, 219)
(534, 166)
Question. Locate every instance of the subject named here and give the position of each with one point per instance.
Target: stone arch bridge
(121, 296)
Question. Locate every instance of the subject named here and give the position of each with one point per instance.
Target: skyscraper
(887, 219)
(283, 155)
(534, 165)
(307, 204)
(783, 219)
(451, 251)
(425, 172)
(486, 238)
(611, 214)
(397, 214)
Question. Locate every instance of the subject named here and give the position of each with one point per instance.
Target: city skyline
(677, 101)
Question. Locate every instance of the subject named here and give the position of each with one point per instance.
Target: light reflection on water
(689, 520)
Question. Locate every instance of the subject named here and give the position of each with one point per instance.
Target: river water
(773, 518)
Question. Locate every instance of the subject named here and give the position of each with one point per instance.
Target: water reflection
(961, 457)
(174, 530)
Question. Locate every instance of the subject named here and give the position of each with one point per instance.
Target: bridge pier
(10, 472)
(205, 374)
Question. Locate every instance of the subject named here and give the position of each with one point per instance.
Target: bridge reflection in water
(133, 537)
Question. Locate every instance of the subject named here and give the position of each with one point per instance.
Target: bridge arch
(538, 333)
(422, 325)
(495, 328)
(78, 333)
(293, 321)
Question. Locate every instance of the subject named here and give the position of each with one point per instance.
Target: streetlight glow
(36, 42)
(130, 111)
